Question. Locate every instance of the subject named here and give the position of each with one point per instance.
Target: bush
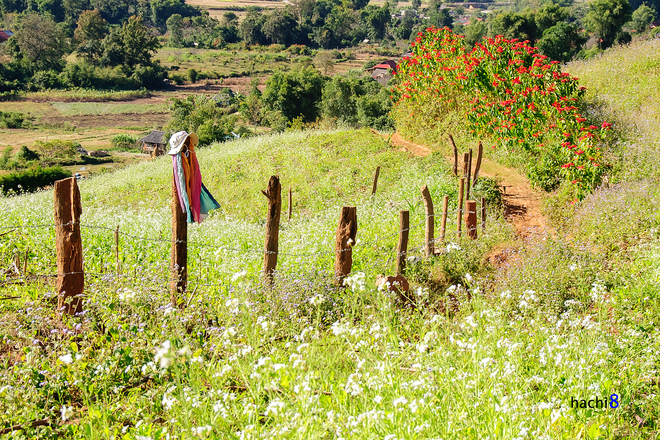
(14, 120)
(56, 151)
(202, 115)
(32, 179)
(506, 91)
(193, 75)
(124, 141)
(26, 155)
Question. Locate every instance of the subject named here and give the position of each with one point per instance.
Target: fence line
(67, 206)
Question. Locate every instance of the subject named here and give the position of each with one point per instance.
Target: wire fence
(115, 276)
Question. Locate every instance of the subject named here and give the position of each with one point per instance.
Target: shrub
(56, 151)
(31, 179)
(202, 115)
(14, 120)
(506, 91)
(193, 75)
(124, 141)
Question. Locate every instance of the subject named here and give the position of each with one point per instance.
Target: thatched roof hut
(154, 141)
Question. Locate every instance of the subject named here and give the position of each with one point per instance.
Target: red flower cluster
(507, 91)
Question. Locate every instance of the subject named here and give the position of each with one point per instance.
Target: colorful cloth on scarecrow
(196, 201)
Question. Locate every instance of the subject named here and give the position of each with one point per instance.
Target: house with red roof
(5, 35)
(383, 72)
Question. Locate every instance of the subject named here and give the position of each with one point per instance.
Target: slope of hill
(477, 352)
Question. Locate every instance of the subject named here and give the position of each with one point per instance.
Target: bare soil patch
(144, 120)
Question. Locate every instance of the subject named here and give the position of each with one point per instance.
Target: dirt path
(522, 205)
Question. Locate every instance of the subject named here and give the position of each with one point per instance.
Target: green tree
(404, 29)
(251, 29)
(416, 4)
(562, 42)
(91, 30)
(252, 107)
(605, 18)
(296, 93)
(375, 19)
(549, 15)
(175, 27)
(40, 41)
(475, 31)
(513, 25)
(279, 27)
(200, 114)
(642, 18)
(73, 9)
(129, 46)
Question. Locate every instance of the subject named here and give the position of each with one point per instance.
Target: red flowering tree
(505, 91)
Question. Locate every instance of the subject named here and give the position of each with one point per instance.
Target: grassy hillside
(624, 86)
(482, 351)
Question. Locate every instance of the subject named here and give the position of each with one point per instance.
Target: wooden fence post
(471, 219)
(430, 221)
(117, 249)
(451, 138)
(480, 153)
(402, 247)
(290, 204)
(179, 254)
(68, 244)
(274, 195)
(344, 241)
(373, 189)
(459, 216)
(443, 228)
(483, 214)
(467, 168)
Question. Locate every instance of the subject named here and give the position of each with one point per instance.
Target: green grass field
(482, 349)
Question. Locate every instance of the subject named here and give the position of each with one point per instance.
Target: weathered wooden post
(68, 245)
(117, 249)
(179, 254)
(483, 214)
(402, 247)
(471, 219)
(344, 241)
(459, 215)
(430, 221)
(290, 204)
(274, 195)
(451, 138)
(480, 153)
(375, 185)
(467, 171)
(443, 228)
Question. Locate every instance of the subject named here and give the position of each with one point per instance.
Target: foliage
(14, 120)
(91, 30)
(507, 91)
(31, 179)
(295, 93)
(124, 141)
(54, 150)
(202, 115)
(606, 18)
(642, 18)
(175, 27)
(356, 100)
(39, 41)
(562, 42)
(130, 46)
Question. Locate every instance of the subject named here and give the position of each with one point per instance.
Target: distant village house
(154, 143)
(5, 35)
(383, 72)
